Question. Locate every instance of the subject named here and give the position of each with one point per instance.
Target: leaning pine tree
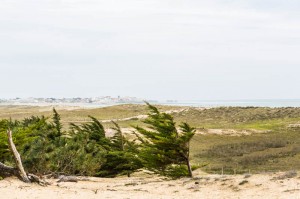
(121, 158)
(163, 145)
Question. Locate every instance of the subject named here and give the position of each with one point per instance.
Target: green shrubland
(85, 149)
(272, 146)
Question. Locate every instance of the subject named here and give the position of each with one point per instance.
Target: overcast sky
(153, 49)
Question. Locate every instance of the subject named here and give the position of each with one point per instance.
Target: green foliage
(177, 171)
(115, 155)
(57, 123)
(122, 157)
(4, 152)
(45, 149)
(119, 163)
(37, 152)
(83, 150)
(162, 144)
(118, 140)
(78, 156)
(94, 132)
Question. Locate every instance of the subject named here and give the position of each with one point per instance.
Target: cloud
(188, 43)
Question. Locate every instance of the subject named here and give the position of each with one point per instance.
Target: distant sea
(241, 103)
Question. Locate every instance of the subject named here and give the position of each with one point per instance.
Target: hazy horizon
(141, 98)
(160, 50)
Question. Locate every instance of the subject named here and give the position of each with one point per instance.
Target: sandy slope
(202, 186)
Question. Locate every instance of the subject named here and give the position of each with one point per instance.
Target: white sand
(202, 186)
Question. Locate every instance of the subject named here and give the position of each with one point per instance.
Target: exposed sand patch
(229, 132)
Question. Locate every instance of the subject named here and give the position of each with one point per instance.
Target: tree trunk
(187, 157)
(189, 167)
(17, 158)
(6, 171)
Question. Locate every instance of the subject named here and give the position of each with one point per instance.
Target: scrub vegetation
(272, 145)
(85, 149)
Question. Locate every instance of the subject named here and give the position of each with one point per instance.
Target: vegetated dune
(125, 114)
(229, 139)
(275, 185)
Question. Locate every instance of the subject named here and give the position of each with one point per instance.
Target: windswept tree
(118, 140)
(39, 154)
(57, 123)
(163, 145)
(85, 149)
(110, 156)
(94, 131)
(122, 157)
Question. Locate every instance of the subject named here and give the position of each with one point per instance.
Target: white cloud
(187, 43)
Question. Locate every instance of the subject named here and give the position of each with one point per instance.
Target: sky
(151, 49)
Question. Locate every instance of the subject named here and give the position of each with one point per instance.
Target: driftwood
(19, 172)
(67, 179)
(6, 171)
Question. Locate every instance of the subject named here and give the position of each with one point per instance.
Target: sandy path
(202, 186)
